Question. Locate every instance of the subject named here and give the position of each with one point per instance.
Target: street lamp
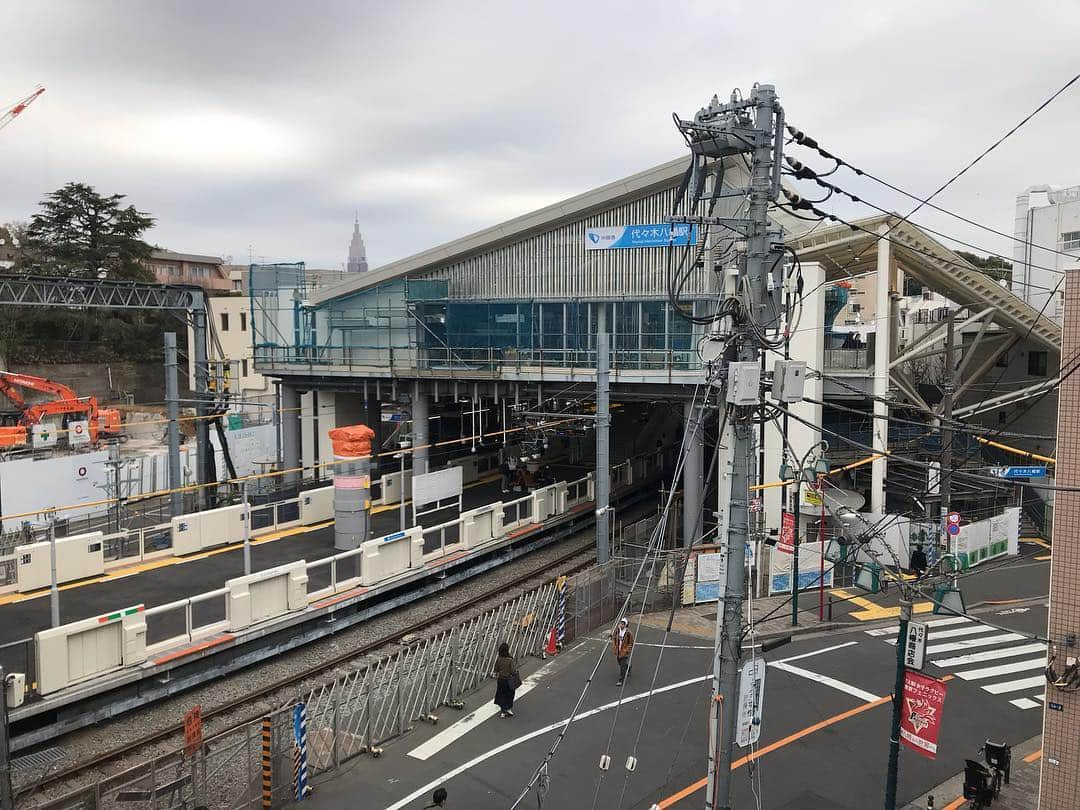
(819, 469)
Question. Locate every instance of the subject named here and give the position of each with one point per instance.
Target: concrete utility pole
(172, 402)
(603, 437)
(202, 424)
(720, 131)
(946, 427)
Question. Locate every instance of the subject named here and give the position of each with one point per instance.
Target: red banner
(787, 533)
(193, 731)
(920, 718)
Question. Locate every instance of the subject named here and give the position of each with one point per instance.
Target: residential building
(1047, 230)
(207, 272)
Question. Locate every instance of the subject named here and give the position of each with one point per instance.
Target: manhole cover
(39, 760)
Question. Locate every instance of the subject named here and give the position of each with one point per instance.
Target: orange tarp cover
(354, 440)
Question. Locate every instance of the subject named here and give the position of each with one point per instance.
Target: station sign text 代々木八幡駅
(640, 236)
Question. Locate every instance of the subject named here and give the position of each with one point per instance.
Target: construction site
(737, 484)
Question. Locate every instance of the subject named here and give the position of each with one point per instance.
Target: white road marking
(1041, 697)
(990, 655)
(976, 630)
(1003, 669)
(967, 644)
(892, 631)
(825, 680)
(815, 652)
(1024, 703)
(1015, 686)
(506, 746)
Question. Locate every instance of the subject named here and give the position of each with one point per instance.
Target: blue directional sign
(1019, 472)
(640, 236)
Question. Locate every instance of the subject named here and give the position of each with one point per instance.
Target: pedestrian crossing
(999, 662)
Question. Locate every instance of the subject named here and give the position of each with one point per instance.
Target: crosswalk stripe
(966, 644)
(1014, 686)
(976, 630)
(1024, 703)
(1003, 669)
(990, 655)
(1041, 697)
(892, 631)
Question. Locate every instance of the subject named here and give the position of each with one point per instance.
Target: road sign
(751, 701)
(953, 518)
(1018, 472)
(640, 236)
(915, 646)
(953, 529)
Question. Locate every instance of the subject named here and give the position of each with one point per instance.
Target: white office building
(1047, 228)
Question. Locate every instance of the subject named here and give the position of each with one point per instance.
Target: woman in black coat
(507, 681)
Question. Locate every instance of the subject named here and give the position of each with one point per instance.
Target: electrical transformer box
(789, 379)
(744, 383)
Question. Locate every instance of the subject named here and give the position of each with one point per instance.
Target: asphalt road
(824, 734)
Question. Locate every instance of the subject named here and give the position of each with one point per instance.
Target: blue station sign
(640, 236)
(1018, 472)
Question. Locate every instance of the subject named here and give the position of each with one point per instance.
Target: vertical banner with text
(920, 721)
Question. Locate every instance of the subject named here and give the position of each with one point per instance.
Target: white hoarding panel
(436, 486)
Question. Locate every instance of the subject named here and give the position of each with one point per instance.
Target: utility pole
(603, 436)
(897, 705)
(7, 795)
(720, 131)
(946, 427)
(172, 402)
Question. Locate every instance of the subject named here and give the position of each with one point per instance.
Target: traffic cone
(551, 648)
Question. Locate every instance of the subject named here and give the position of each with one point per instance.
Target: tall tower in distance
(357, 252)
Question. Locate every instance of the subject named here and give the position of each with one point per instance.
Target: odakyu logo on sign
(594, 237)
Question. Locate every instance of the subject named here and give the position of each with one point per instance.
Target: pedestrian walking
(918, 561)
(622, 644)
(507, 680)
(504, 471)
(438, 799)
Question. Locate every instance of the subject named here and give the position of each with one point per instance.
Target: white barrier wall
(267, 594)
(545, 503)
(88, 648)
(481, 525)
(391, 487)
(77, 557)
(394, 554)
(316, 505)
(202, 530)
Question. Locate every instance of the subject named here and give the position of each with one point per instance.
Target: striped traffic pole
(267, 764)
(300, 771)
(560, 620)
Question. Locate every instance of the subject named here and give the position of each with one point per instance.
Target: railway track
(577, 558)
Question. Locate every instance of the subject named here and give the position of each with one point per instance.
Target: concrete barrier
(77, 557)
(481, 525)
(316, 505)
(202, 530)
(266, 594)
(394, 554)
(89, 648)
(544, 503)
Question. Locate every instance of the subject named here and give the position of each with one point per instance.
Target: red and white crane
(8, 115)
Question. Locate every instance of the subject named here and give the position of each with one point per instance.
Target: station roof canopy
(845, 252)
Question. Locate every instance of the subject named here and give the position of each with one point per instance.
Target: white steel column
(693, 472)
(420, 434)
(882, 339)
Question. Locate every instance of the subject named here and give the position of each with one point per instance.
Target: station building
(505, 319)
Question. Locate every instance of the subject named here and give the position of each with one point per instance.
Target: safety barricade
(517, 513)
(544, 503)
(390, 485)
(187, 620)
(203, 530)
(445, 538)
(386, 557)
(77, 557)
(79, 651)
(267, 594)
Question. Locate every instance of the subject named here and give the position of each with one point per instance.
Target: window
(243, 368)
(24, 559)
(224, 321)
(243, 321)
(1036, 364)
(927, 295)
(1070, 240)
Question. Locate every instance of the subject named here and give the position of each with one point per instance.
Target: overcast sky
(268, 124)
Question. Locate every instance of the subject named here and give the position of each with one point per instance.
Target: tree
(993, 266)
(81, 234)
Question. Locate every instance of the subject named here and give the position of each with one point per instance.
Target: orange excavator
(67, 405)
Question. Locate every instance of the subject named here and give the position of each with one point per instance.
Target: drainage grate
(41, 760)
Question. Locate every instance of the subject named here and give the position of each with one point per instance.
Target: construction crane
(8, 115)
(67, 405)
